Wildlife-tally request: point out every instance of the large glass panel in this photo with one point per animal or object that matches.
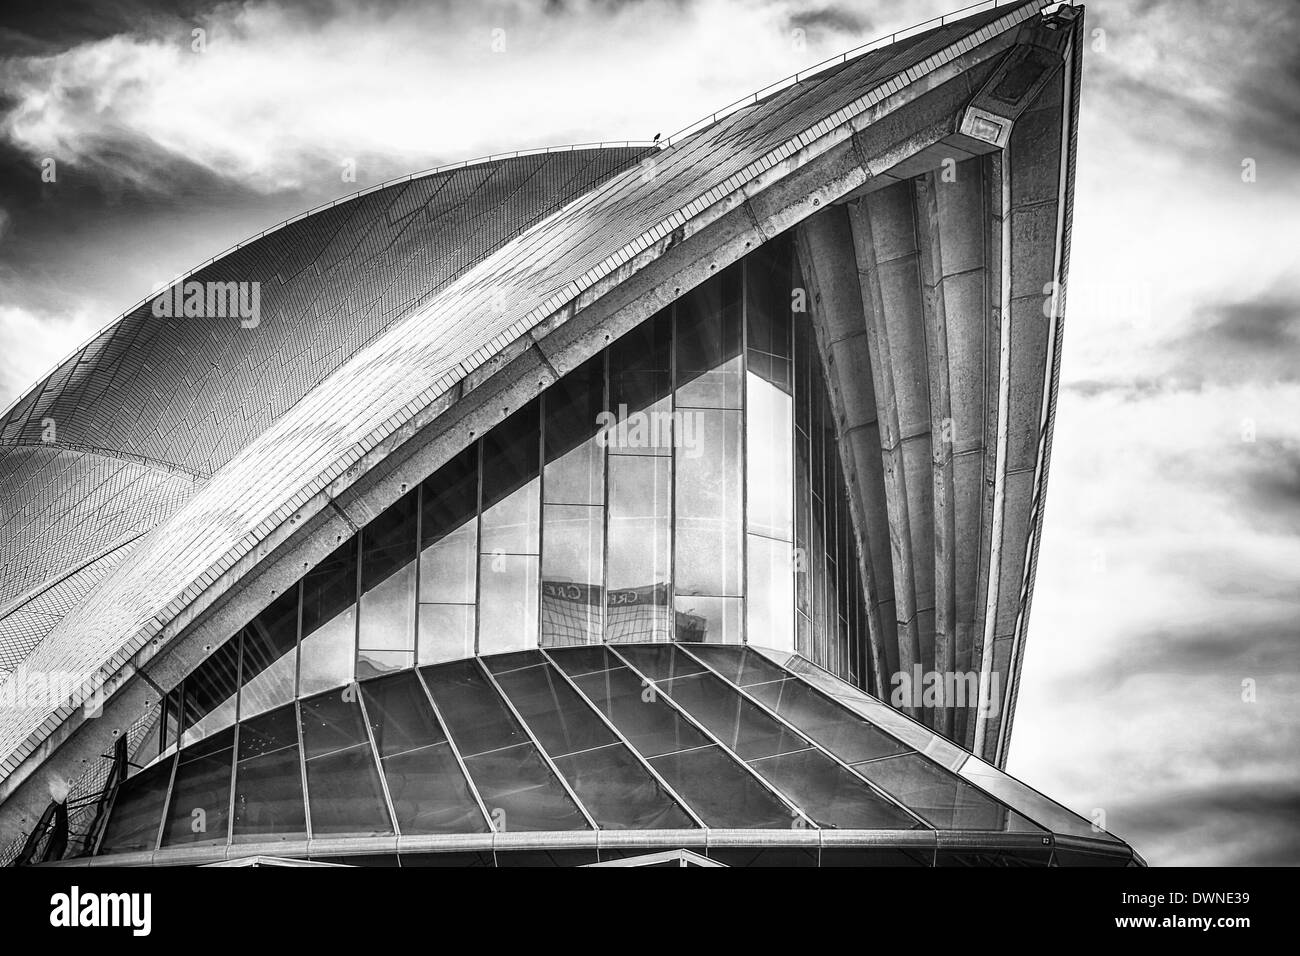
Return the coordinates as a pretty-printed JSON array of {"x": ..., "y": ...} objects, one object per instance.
[
  {"x": 517, "y": 787},
  {"x": 449, "y": 532},
  {"x": 635, "y": 707},
  {"x": 268, "y": 779},
  {"x": 210, "y": 693},
  {"x": 343, "y": 788},
  {"x": 722, "y": 792},
  {"x": 618, "y": 791},
  {"x": 939, "y": 797},
  {"x": 270, "y": 664},
  {"x": 611, "y": 783},
  {"x": 661, "y": 661},
  {"x": 716, "y": 619},
  {"x": 575, "y": 461},
  {"x": 709, "y": 503},
  {"x": 769, "y": 444},
  {"x": 329, "y": 622},
  {"x": 559, "y": 719},
  {"x": 508, "y": 599},
  {"x": 839, "y": 731},
  {"x": 572, "y": 574},
  {"x": 446, "y": 632},
  {"x": 639, "y": 532},
  {"x": 640, "y": 383},
  {"x": 137, "y": 811},
  {"x": 830, "y": 794},
  {"x": 427, "y": 787},
  {"x": 511, "y": 460},
  {"x": 770, "y": 609},
  {"x": 740, "y": 725},
  {"x": 387, "y": 617},
  {"x": 199, "y": 811},
  {"x": 708, "y": 343}
]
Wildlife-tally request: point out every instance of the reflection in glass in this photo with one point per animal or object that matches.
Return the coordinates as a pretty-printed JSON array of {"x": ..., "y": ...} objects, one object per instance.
[
  {"x": 199, "y": 811},
  {"x": 446, "y": 632},
  {"x": 572, "y": 572},
  {"x": 830, "y": 794},
  {"x": 740, "y": 725},
  {"x": 709, "y": 503},
  {"x": 770, "y": 620},
  {"x": 270, "y": 657},
  {"x": 511, "y": 460},
  {"x": 343, "y": 788},
  {"x": 387, "y": 617},
  {"x": 841, "y": 732},
  {"x": 210, "y": 693},
  {"x": 722, "y": 792},
  {"x": 137, "y": 811},
  {"x": 639, "y": 514},
  {"x": 508, "y": 603},
  {"x": 714, "y": 619},
  {"x": 575, "y": 465},
  {"x": 519, "y": 791},
  {"x": 708, "y": 343},
  {"x": 619, "y": 792},
  {"x": 425, "y": 783},
  {"x": 640, "y": 384},
  {"x": 939, "y": 797},
  {"x": 268, "y": 779}
]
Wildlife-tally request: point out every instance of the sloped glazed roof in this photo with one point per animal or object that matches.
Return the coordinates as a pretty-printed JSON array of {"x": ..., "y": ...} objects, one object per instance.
[{"x": 349, "y": 395}]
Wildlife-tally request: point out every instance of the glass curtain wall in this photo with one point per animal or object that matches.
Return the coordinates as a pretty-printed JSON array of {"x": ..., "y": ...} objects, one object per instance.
[{"x": 684, "y": 484}]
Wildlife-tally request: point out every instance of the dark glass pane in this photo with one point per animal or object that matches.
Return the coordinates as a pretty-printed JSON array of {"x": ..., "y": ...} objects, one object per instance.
[
  {"x": 640, "y": 364},
  {"x": 618, "y": 791},
  {"x": 737, "y": 723},
  {"x": 640, "y": 714},
  {"x": 559, "y": 719},
  {"x": 268, "y": 779},
  {"x": 425, "y": 782},
  {"x": 270, "y": 658},
  {"x": 709, "y": 342},
  {"x": 829, "y": 794},
  {"x": 660, "y": 661},
  {"x": 330, "y": 587},
  {"x": 511, "y": 462},
  {"x": 388, "y": 542},
  {"x": 137, "y": 811},
  {"x": 575, "y": 463},
  {"x": 477, "y": 719},
  {"x": 722, "y": 792},
  {"x": 500, "y": 663},
  {"x": 343, "y": 788},
  {"x": 400, "y": 716},
  {"x": 450, "y": 497},
  {"x": 572, "y": 574},
  {"x": 576, "y": 661},
  {"x": 388, "y": 552},
  {"x": 838, "y": 730},
  {"x": 521, "y": 793},
  {"x": 170, "y": 723},
  {"x": 213, "y": 684},
  {"x": 199, "y": 811},
  {"x": 709, "y": 503},
  {"x": 739, "y": 665},
  {"x": 939, "y": 797}
]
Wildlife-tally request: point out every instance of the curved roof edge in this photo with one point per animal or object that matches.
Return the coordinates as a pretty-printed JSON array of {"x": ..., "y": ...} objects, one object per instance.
[{"x": 355, "y": 458}]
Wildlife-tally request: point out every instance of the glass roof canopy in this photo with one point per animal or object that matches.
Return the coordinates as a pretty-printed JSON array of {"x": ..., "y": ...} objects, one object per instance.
[{"x": 556, "y": 748}]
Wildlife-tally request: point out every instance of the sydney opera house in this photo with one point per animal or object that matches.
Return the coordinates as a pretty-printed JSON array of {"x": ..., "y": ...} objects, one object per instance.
[{"x": 662, "y": 504}]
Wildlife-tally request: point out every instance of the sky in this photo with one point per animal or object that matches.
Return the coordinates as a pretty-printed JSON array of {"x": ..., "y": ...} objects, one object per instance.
[{"x": 1161, "y": 681}]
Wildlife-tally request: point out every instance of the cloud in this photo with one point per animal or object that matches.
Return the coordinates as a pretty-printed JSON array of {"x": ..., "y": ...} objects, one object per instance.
[
  {"x": 33, "y": 341},
  {"x": 396, "y": 86}
]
